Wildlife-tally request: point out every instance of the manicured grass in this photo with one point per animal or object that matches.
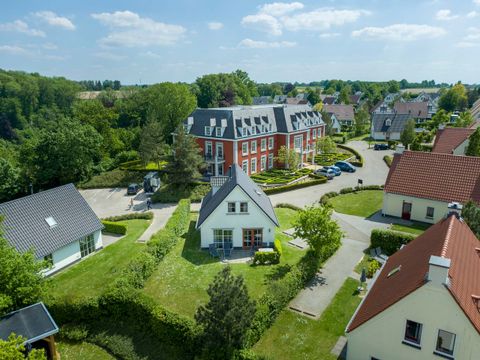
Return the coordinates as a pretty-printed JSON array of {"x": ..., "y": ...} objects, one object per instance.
[
  {"x": 181, "y": 279},
  {"x": 139, "y": 165},
  {"x": 294, "y": 336},
  {"x": 415, "y": 228},
  {"x": 285, "y": 217},
  {"x": 112, "y": 179},
  {"x": 169, "y": 193},
  {"x": 82, "y": 351},
  {"x": 279, "y": 176},
  {"x": 361, "y": 203},
  {"x": 93, "y": 274},
  {"x": 363, "y": 264},
  {"x": 330, "y": 159}
]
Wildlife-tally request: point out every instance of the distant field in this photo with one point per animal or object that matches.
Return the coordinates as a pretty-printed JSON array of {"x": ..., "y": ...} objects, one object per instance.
[{"x": 419, "y": 90}]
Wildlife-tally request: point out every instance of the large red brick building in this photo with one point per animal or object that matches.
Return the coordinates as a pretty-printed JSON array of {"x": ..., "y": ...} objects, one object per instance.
[{"x": 250, "y": 136}]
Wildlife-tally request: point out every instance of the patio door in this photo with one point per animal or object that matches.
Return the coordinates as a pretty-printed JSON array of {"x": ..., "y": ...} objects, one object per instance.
[
  {"x": 406, "y": 210},
  {"x": 252, "y": 238}
]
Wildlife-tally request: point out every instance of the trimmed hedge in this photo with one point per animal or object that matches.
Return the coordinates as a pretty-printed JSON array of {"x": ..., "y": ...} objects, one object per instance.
[
  {"x": 280, "y": 189},
  {"x": 277, "y": 246},
  {"x": 279, "y": 176},
  {"x": 330, "y": 159},
  {"x": 132, "y": 216},
  {"x": 114, "y": 227},
  {"x": 389, "y": 241},
  {"x": 388, "y": 160},
  {"x": 327, "y": 196},
  {"x": 288, "y": 206},
  {"x": 359, "y": 157},
  {"x": 262, "y": 258}
]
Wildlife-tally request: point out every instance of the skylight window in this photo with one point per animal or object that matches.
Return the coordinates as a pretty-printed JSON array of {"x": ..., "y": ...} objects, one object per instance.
[
  {"x": 51, "y": 222},
  {"x": 394, "y": 271}
]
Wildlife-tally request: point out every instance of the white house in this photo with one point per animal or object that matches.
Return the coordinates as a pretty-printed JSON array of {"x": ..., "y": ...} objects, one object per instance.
[
  {"x": 452, "y": 140},
  {"x": 236, "y": 213},
  {"x": 388, "y": 126},
  {"x": 57, "y": 224},
  {"x": 425, "y": 301},
  {"x": 420, "y": 185}
]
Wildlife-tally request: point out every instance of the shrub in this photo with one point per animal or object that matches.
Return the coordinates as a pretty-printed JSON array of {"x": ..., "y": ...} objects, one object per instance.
[
  {"x": 288, "y": 206},
  {"x": 74, "y": 332},
  {"x": 277, "y": 246},
  {"x": 325, "y": 197},
  {"x": 346, "y": 190},
  {"x": 392, "y": 144},
  {"x": 121, "y": 347},
  {"x": 114, "y": 227},
  {"x": 300, "y": 185},
  {"x": 126, "y": 155},
  {"x": 131, "y": 216},
  {"x": 373, "y": 266},
  {"x": 389, "y": 241},
  {"x": 113, "y": 179},
  {"x": 262, "y": 258},
  {"x": 388, "y": 160}
]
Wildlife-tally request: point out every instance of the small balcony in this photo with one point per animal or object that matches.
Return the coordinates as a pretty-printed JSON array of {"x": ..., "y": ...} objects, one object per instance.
[{"x": 210, "y": 158}]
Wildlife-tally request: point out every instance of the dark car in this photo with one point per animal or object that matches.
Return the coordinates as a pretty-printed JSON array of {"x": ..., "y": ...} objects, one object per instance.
[
  {"x": 133, "y": 189},
  {"x": 380, "y": 147},
  {"x": 345, "y": 166},
  {"x": 335, "y": 169}
]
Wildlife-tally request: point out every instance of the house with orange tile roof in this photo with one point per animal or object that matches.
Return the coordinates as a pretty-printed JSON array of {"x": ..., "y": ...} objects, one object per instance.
[
  {"x": 452, "y": 140},
  {"x": 425, "y": 301},
  {"x": 420, "y": 185}
]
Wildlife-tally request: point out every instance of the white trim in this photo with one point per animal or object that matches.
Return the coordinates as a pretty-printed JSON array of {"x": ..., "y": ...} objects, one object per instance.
[
  {"x": 245, "y": 146},
  {"x": 252, "y": 151},
  {"x": 245, "y": 162},
  {"x": 253, "y": 169}
]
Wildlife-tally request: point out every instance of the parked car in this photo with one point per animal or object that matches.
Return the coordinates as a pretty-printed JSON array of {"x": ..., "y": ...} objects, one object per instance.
[
  {"x": 345, "y": 166},
  {"x": 335, "y": 169},
  {"x": 328, "y": 173},
  {"x": 133, "y": 189},
  {"x": 380, "y": 147}
]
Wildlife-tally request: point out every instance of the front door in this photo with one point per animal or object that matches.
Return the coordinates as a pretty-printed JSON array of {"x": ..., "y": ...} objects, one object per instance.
[
  {"x": 406, "y": 210},
  {"x": 252, "y": 238}
]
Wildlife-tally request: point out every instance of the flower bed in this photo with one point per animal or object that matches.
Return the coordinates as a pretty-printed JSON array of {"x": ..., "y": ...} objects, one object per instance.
[
  {"x": 279, "y": 176},
  {"x": 330, "y": 159}
]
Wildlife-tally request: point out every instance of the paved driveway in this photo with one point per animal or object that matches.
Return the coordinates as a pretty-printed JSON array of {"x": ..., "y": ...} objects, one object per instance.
[{"x": 374, "y": 172}]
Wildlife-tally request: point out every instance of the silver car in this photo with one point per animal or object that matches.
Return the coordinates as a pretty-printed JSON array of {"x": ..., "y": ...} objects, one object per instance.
[{"x": 328, "y": 173}]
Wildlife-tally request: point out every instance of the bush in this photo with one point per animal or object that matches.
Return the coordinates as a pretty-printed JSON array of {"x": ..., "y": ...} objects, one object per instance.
[
  {"x": 288, "y": 206},
  {"x": 358, "y": 156},
  {"x": 388, "y": 160},
  {"x": 373, "y": 266},
  {"x": 72, "y": 332},
  {"x": 389, "y": 241},
  {"x": 113, "y": 179},
  {"x": 131, "y": 216},
  {"x": 126, "y": 155},
  {"x": 330, "y": 159},
  {"x": 262, "y": 258},
  {"x": 392, "y": 144},
  {"x": 346, "y": 190},
  {"x": 279, "y": 176},
  {"x": 299, "y": 185},
  {"x": 325, "y": 197},
  {"x": 121, "y": 347},
  {"x": 114, "y": 227},
  {"x": 277, "y": 246}
]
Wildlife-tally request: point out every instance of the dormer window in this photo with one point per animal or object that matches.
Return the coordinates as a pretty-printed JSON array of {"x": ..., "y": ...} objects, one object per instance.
[
  {"x": 244, "y": 132},
  {"x": 254, "y": 130},
  {"x": 388, "y": 122},
  {"x": 208, "y": 131},
  {"x": 218, "y": 132},
  {"x": 51, "y": 222}
]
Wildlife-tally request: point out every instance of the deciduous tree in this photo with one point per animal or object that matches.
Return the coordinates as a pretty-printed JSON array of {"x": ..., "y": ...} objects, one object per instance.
[
  {"x": 471, "y": 215},
  {"x": 325, "y": 145},
  {"x": 454, "y": 98},
  {"x": 13, "y": 349},
  {"x": 473, "y": 148},
  {"x": 408, "y": 134},
  {"x": 152, "y": 147},
  {"x": 288, "y": 157}
]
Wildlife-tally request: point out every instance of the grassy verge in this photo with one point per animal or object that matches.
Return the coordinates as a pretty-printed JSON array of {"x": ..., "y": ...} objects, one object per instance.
[
  {"x": 180, "y": 281},
  {"x": 294, "y": 336},
  {"x": 112, "y": 179},
  {"x": 360, "y": 203},
  {"x": 171, "y": 194},
  {"x": 415, "y": 228},
  {"x": 90, "y": 276},
  {"x": 363, "y": 264},
  {"x": 82, "y": 351}
]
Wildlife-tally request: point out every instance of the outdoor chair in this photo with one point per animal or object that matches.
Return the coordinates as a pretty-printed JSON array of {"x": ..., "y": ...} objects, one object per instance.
[
  {"x": 228, "y": 251},
  {"x": 213, "y": 250},
  {"x": 378, "y": 255}
]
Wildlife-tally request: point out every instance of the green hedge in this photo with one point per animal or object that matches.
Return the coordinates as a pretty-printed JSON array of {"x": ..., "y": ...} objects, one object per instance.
[
  {"x": 299, "y": 185},
  {"x": 114, "y": 227},
  {"x": 330, "y": 159},
  {"x": 288, "y": 206},
  {"x": 388, "y": 160},
  {"x": 327, "y": 196},
  {"x": 277, "y": 246},
  {"x": 279, "y": 176},
  {"x": 358, "y": 156},
  {"x": 389, "y": 241},
  {"x": 131, "y": 216},
  {"x": 262, "y": 258}
]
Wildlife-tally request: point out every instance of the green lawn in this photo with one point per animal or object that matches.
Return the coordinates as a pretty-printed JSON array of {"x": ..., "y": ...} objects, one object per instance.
[
  {"x": 294, "y": 336},
  {"x": 360, "y": 203},
  {"x": 92, "y": 275},
  {"x": 138, "y": 165},
  {"x": 82, "y": 351},
  {"x": 363, "y": 264},
  {"x": 415, "y": 228},
  {"x": 181, "y": 279}
]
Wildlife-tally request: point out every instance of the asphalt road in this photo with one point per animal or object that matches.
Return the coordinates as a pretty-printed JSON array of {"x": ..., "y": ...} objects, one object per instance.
[{"x": 374, "y": 172}]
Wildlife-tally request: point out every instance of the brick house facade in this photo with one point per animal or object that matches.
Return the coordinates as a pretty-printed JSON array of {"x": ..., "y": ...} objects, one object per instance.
[{"x": 251, "y": 136}]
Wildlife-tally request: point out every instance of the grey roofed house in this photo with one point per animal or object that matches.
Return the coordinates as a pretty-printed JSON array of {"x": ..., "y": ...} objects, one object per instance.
[
  {"x": 48, "y": 220},
  {"x": 280, "y": 99},
  {"x": 236, "y": 177},
  {"x": 398, "y": 122},
  {"x": 343, "y": 113},
  {"x": 261, "y": 100}
]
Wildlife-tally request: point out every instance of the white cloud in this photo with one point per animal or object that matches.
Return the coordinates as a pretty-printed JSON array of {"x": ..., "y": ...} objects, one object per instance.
[
  {"x": 328, "y": 35},
  {"x": 466, "y": 44},
  {"x": 400, "y": 32},
  {"x": 476, "y": 2},
  {"x": 50, "y": 46},
  {"x": 278, "y": 8},
  {"x": 263, "y": 22},
  {"x": 21, "y": 27},
  {"x": 109, "y": 56},
  {"x": 473, "y": 34},
  {"x": 54, "y": 20},
  {"x": 254, "y": 44},
  {"x": 131, "y": 30},
  {"x": 445, "y": 15},
  {"x": 472, "y": 14},
  {"x": 13, "y": 50},
  {"x": 214, "y": 25}
]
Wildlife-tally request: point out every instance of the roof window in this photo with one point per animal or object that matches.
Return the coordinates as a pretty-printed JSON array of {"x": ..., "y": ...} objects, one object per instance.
[
  {"x": 394, "y": 271},
  {"x": 51, "y": 222}
]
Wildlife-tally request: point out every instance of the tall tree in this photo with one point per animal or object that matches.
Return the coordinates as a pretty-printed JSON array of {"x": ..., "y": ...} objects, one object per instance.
[
  {"x": 14, "y": 349},
  {"x": 288, "y": 157},
  {"x": 362, "y": 121},
  {"x": 315, "y": 225},
  {"x": 441, "y": 117},
  {"x": 471, "y": 215},
  {"x": 325, "y": 145},
  {"x": 454, "y": 98},
  {"x": 473, "y": 148},
  {"x": 152, "y": 146},
  {"x": 10, "y": 180},
  {"x": 187, "y": 161},
  {"x": 408, "y": 134},
  {"x": 464, "y": 120},
  {"x": 228, "y": 315}
]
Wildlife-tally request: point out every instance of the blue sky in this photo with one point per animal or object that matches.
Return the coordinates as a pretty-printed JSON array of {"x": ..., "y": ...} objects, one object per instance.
[{"x": 151, "y": 41}]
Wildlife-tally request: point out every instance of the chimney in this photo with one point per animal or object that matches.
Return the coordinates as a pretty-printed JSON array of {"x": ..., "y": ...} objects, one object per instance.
[
  {"x": 438, "y": 270},
  {"x": 455, "y": 208},
  {"x": 216, "y": 182},
  {"x": 400, "y": 149}
]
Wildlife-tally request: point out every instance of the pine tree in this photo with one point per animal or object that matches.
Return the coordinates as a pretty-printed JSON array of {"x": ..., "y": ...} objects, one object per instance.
[
  {"x": 227, "y": 316},
  {"x": 152, "y": 147}
]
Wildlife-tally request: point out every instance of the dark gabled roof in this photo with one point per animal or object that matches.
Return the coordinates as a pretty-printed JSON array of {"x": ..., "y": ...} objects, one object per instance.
[
  {"x": 417, "y": 110},
  {"x": 448, "y": 139},
  {"x": 261, "y": 100},
  {"x": 341, "y": 111},
  {"x": 32, "y": 322},
  {"x": 398, "y": 122},
  {"x": 25, "y": 226},
  {"x": 236, "y": 177},
  {"x": 450, "y": 238}
]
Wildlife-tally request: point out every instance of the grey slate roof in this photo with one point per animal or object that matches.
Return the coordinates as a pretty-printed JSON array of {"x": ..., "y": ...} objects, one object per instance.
[
  {"x": 236, "y": 177},
  {"x": 261, "y": 100},
  {"x": 398, "y": 122},
  {"x": 32, "y": 322},
  {"x": 25, "y": 227}
]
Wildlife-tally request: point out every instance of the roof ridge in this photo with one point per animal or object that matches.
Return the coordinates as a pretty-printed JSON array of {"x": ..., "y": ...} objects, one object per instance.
[{"x": 447, "y": 236}]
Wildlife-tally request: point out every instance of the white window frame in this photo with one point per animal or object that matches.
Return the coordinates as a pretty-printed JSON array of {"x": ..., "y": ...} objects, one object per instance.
[
  {"x": 263, "y": 162},
  {"x": 244, "y": 132},
  {"x": 433, "y": 212},
  {"x": 263, "y": 144},
  {"x": 270, "y": 161},
  {"x": 243, "y": 203},
  {"x": 218, "y": 146},
  {"x": 253, "y": 165},
  {"x": 245, "y": 148},
  {"x": 271, "y": 142},
  {"x": 218, "y": 131},
  {"x": 253, "y": 147},
  {"x": 208, "y": 131},
  {"x": 297, "y": 137},
  {"x": 439, "y": 350},
  {"x": 254, "y": 130},
  {"x": 207, "y": 145},
  {"x": 314, "y": 133},
  {"x": 234, "y": 207},
  {"x": 245, "y": 166}
]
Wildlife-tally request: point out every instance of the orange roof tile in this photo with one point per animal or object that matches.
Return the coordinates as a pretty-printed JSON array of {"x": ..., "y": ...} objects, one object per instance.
[
  {"x": 436, "y": 176},
  {"x": 449, "y": 139},
  {"x": 450, "y": 238}
]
